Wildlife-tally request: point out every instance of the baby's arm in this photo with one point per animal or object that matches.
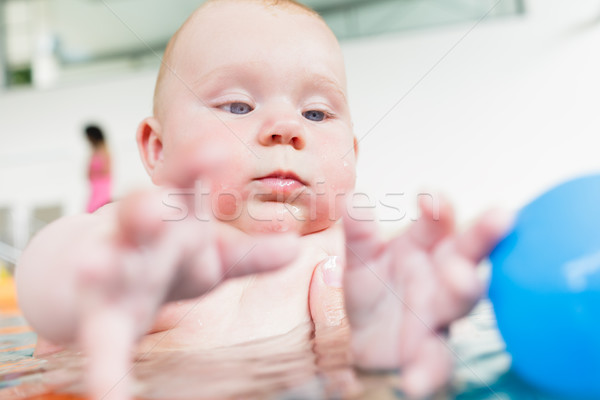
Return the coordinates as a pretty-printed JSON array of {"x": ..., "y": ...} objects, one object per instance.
[{"x": 97, "y": 280}]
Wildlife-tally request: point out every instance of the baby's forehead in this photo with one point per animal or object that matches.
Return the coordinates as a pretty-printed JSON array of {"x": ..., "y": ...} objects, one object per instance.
[{"x": 224, "y": 30}]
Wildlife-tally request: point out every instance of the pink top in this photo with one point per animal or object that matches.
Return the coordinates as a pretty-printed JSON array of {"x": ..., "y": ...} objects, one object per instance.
[{"x": 100, "y": 181}]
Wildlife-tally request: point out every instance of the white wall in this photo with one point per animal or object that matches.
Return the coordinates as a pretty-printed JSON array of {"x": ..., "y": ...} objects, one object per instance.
[
  {"x": 489, "y": 114},
  {"x": 43, "y": 153}
]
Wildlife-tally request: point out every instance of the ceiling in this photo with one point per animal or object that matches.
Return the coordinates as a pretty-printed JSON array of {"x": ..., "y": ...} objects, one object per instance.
[{"x": 75, "y": 32}]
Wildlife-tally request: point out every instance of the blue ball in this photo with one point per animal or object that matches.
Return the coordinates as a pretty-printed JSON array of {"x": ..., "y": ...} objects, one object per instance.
[{"x": 545, "y": 288}]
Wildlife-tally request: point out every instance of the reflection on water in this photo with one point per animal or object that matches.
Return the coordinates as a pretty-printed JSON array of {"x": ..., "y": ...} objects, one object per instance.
[
  {"x": 255, "y": 370},
  {"x": 298, "y": 365},
  {"x": 292, "y": 366}
]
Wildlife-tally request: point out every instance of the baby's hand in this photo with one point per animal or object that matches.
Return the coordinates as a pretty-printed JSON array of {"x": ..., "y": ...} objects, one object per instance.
[
  {"x": 98, "y": 280},
  {"x": 401, "y": 294},
  {"x": 152, "y": 261}
]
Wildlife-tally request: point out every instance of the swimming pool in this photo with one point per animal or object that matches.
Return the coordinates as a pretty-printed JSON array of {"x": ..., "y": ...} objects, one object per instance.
[{"x": 280, "y": 368}]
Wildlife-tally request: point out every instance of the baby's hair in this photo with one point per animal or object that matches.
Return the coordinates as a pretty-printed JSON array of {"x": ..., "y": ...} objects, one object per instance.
[
  {"x": 94, "y": 135},
  {"x": 166, "y": 67}
]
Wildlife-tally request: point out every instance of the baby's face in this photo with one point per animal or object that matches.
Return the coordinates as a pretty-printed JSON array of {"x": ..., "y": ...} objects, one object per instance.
[{"x": 268, "y": 85}]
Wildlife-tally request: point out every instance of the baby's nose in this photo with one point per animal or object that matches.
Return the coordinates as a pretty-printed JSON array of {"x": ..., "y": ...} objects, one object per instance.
[{"x": 286, "y": 131}]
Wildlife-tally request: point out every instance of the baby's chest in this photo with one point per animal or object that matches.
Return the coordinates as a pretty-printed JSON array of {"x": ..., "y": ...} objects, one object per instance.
[{"x": 253, "y": 306}]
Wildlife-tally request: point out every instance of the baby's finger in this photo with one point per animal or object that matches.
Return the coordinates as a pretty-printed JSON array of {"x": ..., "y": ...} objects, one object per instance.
[
  {"x": 418, "y": 310},
  {"x": 461, "y": 287},
  {"x": 435, "y": 223},
  {"x": 456, "y": 259},
  {"x": 209, "y": 162},
  {"x": 209, "y": 260},
  {"x": 107, "y": 337},
  {"x": 141, "y": 217},
  {"x": 363, "y": 241},
  {"x": 429, "y": 371},
  {"x": 365, "y": 290},
  {"x": 367, "y": 267},
  {"x": 477, "y": 242}
]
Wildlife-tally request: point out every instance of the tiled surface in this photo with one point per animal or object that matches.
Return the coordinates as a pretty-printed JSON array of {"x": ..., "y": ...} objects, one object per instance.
[{"x": 17, "y": 341}]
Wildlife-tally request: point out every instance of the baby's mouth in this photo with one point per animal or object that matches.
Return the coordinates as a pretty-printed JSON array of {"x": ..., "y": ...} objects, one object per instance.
[{"x": 280, "y": 186}]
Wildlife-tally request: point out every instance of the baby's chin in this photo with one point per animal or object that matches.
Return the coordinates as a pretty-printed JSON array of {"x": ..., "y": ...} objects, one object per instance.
[{"x": 278, "y": 217}]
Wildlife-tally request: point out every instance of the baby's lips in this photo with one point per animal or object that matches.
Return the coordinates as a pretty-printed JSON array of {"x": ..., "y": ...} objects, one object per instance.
[{"x": 283, "y": 175}]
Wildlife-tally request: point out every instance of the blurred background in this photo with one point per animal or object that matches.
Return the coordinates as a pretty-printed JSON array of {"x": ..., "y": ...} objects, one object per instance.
[{"x": 486, "y": 101}]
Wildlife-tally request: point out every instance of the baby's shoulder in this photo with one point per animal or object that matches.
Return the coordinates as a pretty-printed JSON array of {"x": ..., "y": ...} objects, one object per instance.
[{"x": 107, "y": 211}]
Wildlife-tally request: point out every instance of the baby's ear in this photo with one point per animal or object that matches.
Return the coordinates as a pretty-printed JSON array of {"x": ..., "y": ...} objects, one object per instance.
[{"x": 150, "y": 146}]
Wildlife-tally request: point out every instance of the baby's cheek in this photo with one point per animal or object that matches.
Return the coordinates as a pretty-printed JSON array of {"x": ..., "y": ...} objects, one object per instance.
[{"x": 340, "y": 176}]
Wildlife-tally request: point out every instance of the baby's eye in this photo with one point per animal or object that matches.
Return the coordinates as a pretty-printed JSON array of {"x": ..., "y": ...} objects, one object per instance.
[
  {"x": 238, "y": 108},
  {"x": 314, "y": 115}
]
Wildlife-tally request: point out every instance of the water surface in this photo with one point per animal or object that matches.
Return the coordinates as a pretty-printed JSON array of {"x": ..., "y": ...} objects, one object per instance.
[{"x": 297, "y": 365}]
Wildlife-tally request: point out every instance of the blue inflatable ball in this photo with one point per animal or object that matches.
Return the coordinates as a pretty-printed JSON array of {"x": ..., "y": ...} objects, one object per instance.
[{"x": 545, "y": 289}]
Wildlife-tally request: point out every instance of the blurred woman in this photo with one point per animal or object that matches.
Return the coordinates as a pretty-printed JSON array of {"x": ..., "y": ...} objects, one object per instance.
[{"x": 99, "y": 171}]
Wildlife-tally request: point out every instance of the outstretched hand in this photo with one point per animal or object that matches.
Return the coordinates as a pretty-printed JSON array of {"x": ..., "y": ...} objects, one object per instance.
[
  {"x": 148, "y": 261},
  {"x": 402, "y": 293}
]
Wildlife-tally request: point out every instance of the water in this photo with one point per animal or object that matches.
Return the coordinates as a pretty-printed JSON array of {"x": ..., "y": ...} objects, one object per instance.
[{"x": 293, "y": 366}]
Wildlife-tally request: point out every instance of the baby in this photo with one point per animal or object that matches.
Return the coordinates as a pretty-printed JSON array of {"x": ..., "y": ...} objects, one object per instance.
[{"x": 251, "y": 112}]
